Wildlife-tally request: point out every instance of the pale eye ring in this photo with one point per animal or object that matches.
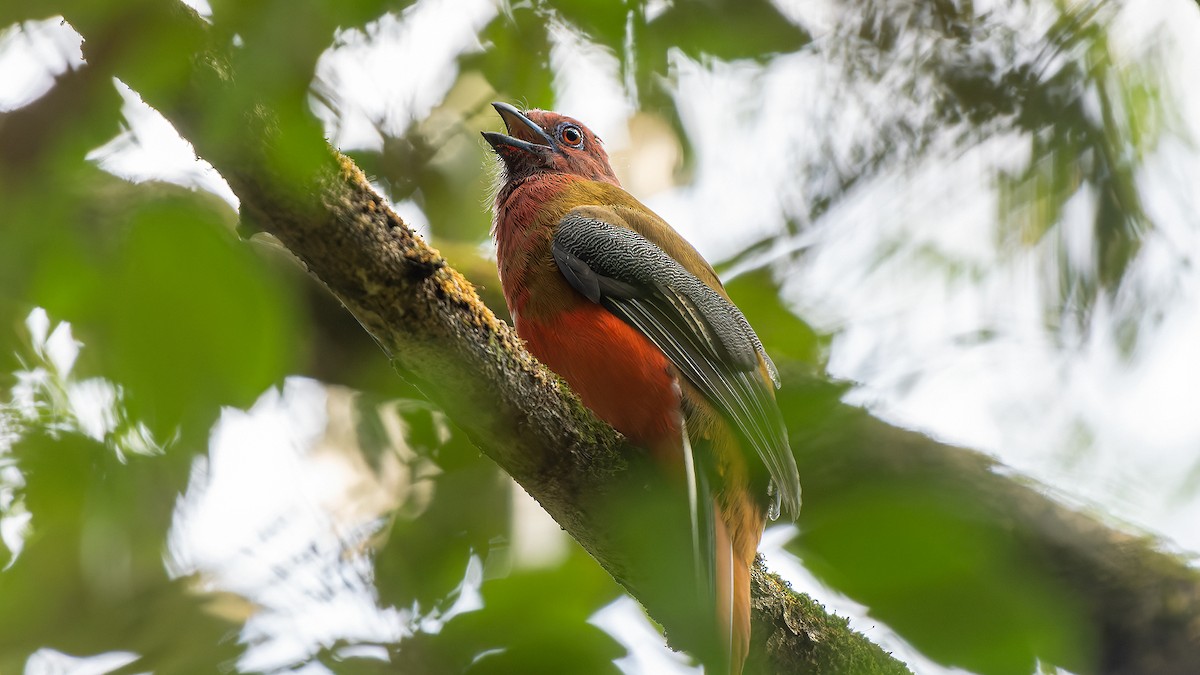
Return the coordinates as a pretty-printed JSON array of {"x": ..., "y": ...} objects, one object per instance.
[{"x": 571, "y": 135}]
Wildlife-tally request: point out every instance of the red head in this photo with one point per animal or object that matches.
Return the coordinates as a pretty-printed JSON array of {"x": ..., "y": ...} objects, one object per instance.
[{"x": 541, "y": 142}]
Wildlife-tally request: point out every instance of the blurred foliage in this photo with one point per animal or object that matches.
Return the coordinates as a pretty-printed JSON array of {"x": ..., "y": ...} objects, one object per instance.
[
  {"x": 961, "y": 589},
  {"x": 87, "y": 574},
  {"x": 504, "y": 639},
  {"x": 90, "y": 578},
  {"x": 181, "y": 319},
  {"x": 1074, "y": 148},
  {"x": 927, "y": 554},
  {"x": 449, "y": 528},
  {"x": 952, "y": 68},
  {"x": 213, "y": 326}
]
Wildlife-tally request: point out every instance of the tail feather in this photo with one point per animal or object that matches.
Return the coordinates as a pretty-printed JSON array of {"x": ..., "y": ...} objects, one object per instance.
[
  {"x": 726, "y": 527},
  {"x": 726, "y": 602},
  {"x": 738, "y": 531},
  {"x": 703, "y": 522}
]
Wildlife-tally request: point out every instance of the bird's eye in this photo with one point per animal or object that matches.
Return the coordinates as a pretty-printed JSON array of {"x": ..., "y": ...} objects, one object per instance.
[{"x": 571, "y": 135}]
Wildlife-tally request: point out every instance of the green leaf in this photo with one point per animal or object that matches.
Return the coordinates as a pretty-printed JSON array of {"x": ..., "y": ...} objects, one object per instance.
[
  {"x": 603, "y": 22},
  {"x": 579, "y": 648},
  {"x": 725, "y": 29},
  {"x": 536, "y": 621},
  {"x": 516, "y": 58},
  {"x": 193, "y": 319},
  {"x": 426, "y": 554}
]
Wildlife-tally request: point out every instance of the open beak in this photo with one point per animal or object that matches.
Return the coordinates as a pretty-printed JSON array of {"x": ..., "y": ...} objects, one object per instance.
[{"x": 523, "y": 133}]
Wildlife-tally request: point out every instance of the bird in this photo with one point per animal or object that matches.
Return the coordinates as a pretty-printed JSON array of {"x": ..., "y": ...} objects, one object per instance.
[{"x": 616, "y": 302}]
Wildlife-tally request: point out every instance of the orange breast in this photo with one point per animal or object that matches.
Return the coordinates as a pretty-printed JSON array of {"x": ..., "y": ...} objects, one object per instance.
[{"x": 618, "y": 373}]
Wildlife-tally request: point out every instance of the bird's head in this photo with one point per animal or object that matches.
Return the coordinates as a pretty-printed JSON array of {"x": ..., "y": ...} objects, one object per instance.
[{"x": 541, "y": 141}]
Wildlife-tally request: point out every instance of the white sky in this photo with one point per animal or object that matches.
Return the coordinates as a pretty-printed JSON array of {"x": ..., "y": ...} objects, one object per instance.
[{"x": 898, "y": 325}]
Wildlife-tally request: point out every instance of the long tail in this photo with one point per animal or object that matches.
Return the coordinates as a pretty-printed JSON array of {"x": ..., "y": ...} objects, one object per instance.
[
  {"x": 707, "y": 547},
  {"x": 727, "y": 525},
  {"x": 726, "y": 529},
  {"x": 699, "y": 494},
  {"x": 737, "y": 534}
]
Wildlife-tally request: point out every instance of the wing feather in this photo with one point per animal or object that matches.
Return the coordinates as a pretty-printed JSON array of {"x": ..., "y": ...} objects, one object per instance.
[{"x": 703, "y": 334}]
